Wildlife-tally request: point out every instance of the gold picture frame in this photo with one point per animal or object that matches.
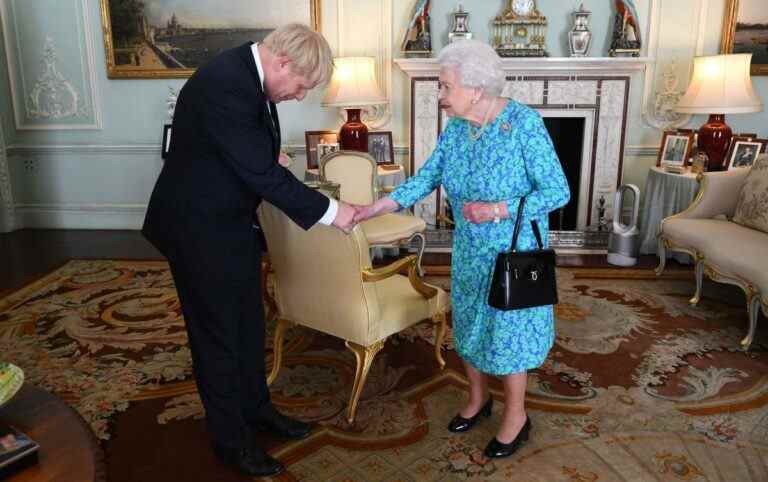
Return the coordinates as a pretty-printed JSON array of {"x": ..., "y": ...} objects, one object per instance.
[
  {"x": 757, "y": 35},
  {"x": 140, "y": 50}
]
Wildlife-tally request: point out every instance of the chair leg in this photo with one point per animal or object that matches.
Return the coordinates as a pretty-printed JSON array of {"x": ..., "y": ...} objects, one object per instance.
[
  {"x": 699, "y": 281},
  {"x": 364, "y": 356},
  {"x": 441, "y": 325},
  {"x": 753, "y": 309},
  {"x": 277, "y": 357},
  {"x": 661, "y": 251},
  {"x": 270, "y": 305}
]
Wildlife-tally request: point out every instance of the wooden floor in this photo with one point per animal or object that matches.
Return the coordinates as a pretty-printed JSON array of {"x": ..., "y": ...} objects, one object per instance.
[{"x": 29, "y": 254}]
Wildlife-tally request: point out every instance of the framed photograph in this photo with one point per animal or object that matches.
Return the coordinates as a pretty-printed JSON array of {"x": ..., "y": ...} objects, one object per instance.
[
  {"x": 744, "y": 154},
  {"x": 166, "y": 147},
  {"x": 737, "y": 138},
  {"x": 169, "y": 39},
  {"x": 380, "y": 147},
  {"x": 323, "y": 149},
  {"x": 675, "y": 149},
  {"x": 312, "y": 139},
  {"x": 745, "y": 30}
]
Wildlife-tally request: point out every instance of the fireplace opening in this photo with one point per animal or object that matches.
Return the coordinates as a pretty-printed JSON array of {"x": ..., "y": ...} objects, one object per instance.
[{"x": 567, "y": 135}]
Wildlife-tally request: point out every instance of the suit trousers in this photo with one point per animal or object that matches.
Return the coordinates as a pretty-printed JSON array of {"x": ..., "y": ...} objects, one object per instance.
[{"x": 225, "y": 326}]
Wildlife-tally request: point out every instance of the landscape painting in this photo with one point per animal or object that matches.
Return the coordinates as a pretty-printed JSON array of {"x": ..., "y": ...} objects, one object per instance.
[
  {"x": 171, "y": 38},
  {"x": 746, "y": 31}
]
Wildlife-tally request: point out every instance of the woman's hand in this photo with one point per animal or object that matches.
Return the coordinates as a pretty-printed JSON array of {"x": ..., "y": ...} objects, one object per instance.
[
  {"x": 480, "y": 212},
  {"x": 382, "y": 206}
]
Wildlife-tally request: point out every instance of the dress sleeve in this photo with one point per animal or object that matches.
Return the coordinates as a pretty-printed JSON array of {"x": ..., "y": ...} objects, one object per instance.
[
  {"x": 427, "y": 179},
  {"x": 549, "y": 186}
]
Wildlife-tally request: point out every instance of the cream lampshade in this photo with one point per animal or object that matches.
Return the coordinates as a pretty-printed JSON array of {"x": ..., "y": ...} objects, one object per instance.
[
  {"x": 720, "y": 85},
  {"x": 353, "y": 86}
]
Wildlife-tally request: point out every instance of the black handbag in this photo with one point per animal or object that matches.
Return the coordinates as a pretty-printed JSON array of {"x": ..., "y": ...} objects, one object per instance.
[{"x": 523, "y": 279}]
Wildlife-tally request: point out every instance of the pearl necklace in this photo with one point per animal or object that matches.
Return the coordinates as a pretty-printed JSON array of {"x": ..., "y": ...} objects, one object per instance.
[{"x": 474, "y": 137}]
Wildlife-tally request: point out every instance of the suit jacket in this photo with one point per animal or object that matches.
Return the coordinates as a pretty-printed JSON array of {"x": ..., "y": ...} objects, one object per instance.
[{"x": 221, "y": 163}]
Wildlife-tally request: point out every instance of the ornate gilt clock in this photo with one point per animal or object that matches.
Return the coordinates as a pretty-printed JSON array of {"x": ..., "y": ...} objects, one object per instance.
[{"x": 520, "y": 30}]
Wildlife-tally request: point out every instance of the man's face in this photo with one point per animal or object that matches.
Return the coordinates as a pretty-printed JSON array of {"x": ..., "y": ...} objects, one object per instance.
[{"x": 285, "y": 84}]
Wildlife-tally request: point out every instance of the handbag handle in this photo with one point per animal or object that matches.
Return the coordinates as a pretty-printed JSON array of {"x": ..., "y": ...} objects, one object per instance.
[{"x": 518, "y": 224}]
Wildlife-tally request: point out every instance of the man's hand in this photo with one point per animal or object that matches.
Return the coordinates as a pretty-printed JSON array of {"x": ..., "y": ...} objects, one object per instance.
[
  {"x": 284, "y": 160},
  {"x": 479, "y": 212},
  {"x": 345, "y": 217}
]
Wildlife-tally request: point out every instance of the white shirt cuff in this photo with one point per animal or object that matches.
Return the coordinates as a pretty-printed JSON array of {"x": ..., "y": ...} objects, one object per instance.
[{"x": 330, "y": 214}]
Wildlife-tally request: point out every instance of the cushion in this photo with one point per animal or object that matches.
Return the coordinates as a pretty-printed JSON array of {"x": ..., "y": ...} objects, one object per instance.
[{"x": 752, "y": 206}]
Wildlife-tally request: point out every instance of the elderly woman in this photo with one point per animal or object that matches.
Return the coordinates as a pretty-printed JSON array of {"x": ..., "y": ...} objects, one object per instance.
[{"x": 493, "y": 152}]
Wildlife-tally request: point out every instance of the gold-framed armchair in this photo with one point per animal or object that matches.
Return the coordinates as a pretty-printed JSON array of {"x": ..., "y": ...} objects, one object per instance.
[
  {"x": 357, "y": 175},
  {"x": 323, "y": 279}
]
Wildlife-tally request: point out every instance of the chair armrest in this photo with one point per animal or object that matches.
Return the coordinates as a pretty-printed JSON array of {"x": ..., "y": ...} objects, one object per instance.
[
  {"x": 410, "y": 262},
  {"x": 718, "y": 194}
]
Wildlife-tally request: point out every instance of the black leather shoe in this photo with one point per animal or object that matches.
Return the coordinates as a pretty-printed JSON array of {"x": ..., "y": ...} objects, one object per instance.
[
  {"x": 282, "y": 425},
  {"x": 496, "y": 449},
  {"x": 461, "y": 424},
  {"x": 249, "y": 460}
]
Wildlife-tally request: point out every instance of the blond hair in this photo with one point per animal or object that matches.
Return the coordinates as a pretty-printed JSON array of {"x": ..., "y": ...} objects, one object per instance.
[{"x": 308, "y": 51}]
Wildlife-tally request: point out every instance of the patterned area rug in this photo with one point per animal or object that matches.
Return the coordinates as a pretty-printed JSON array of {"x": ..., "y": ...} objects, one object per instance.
[{"x": 639, "y": 386}]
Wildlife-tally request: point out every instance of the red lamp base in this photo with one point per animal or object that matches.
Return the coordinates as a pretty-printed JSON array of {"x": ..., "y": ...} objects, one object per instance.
[
  {"x": 353, "y": 135},
  {"x": 714, "y": 139}
]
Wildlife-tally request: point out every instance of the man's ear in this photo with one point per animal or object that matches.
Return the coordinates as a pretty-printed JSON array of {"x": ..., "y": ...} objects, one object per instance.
[{"x": 283, "y": 61}]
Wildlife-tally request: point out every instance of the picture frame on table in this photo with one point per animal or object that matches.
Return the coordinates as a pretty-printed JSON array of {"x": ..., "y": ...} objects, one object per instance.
[
  {"x": 745, "y": 30},
  {"x": 380, "y": 147},
  {"x": 744, "y": 154},
  {"x": 155, "y": 39},
  {"x": 166, "y": 146},
  {"x": 675, "y": 150},
  {"x": 737, "y": 138},
  {"x": 325, "y": 148},
  {"x": 312, "y": 139}
]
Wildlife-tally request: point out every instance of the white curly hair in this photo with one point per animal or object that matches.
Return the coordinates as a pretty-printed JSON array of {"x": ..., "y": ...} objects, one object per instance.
[{"x": 478, "y": 65}]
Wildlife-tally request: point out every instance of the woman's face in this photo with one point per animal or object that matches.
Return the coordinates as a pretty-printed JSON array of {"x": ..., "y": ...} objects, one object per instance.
[{"x": 455, "y": 99}]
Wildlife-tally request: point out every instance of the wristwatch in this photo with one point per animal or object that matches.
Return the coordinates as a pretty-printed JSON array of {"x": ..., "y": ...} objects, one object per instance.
[{"x": 496, "y": 213}]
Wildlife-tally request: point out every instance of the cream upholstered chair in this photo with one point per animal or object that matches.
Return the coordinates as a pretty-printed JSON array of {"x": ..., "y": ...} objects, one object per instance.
[
  {"x": 357, "y": 174},
  {"x": 723, "y": 249},
  {"x": 324, "y": 280}
]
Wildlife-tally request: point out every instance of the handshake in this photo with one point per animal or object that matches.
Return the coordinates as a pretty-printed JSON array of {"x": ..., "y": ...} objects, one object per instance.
[{"x": 348, "y": 215}]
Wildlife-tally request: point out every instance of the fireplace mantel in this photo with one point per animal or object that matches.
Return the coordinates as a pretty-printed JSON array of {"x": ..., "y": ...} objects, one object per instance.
[
  {"x": 594, "y": 88},
  {"x": 549, "y": 65}
]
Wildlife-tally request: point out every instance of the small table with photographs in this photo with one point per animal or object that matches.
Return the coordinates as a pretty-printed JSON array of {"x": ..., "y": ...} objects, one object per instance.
[
  {"x": 664, "y": 194},
  {"x": 68, "y": 449}
]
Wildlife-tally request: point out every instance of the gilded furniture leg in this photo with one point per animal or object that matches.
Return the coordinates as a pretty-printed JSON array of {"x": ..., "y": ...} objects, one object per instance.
[
  {"x": 277, "y": 356},
  {"x": 661, "y": 251},
  {"x": 364, "y": 356},
  {"x": 270, "y": 308},
  {"x": 440, "y": 323},
  {"x": 699, "y": 281},
  {"x": 753, "y": 309},
  {"x": 420, "y": 252}
]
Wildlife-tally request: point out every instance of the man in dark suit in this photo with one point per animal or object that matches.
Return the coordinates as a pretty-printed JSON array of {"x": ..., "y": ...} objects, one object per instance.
[{"x": 223, "y": 161}]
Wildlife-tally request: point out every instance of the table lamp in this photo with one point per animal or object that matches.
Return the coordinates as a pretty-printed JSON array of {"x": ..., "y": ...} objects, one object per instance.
[
  {"x": 353, "y": 86},
  {"x": 720, "y": 85}
]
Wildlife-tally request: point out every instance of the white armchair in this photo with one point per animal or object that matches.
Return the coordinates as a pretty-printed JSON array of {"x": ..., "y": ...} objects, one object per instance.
[{"x": 324, "y": 280}]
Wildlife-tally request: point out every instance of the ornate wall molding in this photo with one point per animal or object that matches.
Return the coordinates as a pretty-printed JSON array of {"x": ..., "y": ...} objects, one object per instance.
[
  {"x": 7, "y": 211},
  {"x": 52, "y": 101},
  {"x": 667, "y": 79}
]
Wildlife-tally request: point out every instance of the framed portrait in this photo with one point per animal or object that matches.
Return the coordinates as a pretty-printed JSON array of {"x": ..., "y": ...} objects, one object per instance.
[
  {"x": 745, "y": 30},
  {"x": 737, "y": 138},
  {"x": 166, "y": 147},
  {"x": 325, "y": 148},
  {"x": 744, "y": 154},
  {"x": 380, "y": 147},
  {"x": 675, "y": 149},
  {"x": 148, "y": 39},
  {"x": 312, "y": 139}
]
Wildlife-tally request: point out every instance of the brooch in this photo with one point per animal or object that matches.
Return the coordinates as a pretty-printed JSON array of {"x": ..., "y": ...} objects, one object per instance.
[{"x": 506, "y": 127}]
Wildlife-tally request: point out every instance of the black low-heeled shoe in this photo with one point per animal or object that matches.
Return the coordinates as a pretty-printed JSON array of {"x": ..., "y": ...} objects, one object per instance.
[
  {"x": 461, "y": 424},
  {"x": 496, "y": 449}
]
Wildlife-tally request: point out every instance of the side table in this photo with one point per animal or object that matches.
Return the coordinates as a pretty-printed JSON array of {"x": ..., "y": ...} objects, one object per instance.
[
  {"x": 664, "y": 194},
  {"x": 68, "y": 449}
]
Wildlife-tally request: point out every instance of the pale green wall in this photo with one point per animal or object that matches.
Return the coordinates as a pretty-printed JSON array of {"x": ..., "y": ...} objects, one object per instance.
[{"x": 107, "y": 173}]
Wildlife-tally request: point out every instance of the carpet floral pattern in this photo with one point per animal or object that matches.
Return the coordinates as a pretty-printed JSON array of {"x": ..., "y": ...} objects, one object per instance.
[{"x": 639, "y": 385}]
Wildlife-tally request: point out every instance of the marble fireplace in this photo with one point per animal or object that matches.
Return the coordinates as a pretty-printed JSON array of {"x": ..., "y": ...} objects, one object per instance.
[{"x": 594, "y": 90}]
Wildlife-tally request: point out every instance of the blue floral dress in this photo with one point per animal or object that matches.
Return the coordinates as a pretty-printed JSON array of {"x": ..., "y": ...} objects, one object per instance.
[{"x": 513, "y": 157}]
